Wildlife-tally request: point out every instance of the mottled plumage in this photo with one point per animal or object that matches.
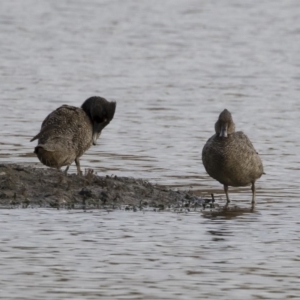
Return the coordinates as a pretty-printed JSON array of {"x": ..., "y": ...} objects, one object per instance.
[
  {"x": 230, "y": 158},
  {"x": 69, "y": 131}
]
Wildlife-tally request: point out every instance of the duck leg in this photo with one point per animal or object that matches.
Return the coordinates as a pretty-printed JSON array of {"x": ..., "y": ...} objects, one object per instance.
[
  {"x": 253, "y": 193},
  {"x": 78, "y": 166},
  {"x": 66, "y": 170},
  {"x": 226, "y": 193}
]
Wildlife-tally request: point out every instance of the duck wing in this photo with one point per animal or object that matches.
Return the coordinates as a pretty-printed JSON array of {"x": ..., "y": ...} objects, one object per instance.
[{"x": 59, "y": 122}]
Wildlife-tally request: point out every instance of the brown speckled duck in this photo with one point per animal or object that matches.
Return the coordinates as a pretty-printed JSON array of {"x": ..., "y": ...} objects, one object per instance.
[
  {"x": 69, "y": 131},
  {"x": 230, "y": 158}
]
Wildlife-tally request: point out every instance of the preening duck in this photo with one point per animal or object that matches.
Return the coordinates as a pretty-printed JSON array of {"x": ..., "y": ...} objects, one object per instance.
[{"x": 69, "y": 131}]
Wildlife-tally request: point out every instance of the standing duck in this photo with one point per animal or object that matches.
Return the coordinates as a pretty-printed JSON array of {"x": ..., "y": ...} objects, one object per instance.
[
  {"x": 69, "y": 131},
  {"x": 230, "y": 158}
]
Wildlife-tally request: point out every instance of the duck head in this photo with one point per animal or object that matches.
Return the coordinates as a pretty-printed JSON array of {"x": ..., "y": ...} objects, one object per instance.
[
  {"x": 100, "y": 112},
  {"x": 225, "y": 125}
]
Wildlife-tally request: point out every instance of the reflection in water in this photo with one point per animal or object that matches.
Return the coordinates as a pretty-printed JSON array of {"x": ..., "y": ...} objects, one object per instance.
[
  {"x": 171, "y": 66},
  {"x": 227, "y": 213}
]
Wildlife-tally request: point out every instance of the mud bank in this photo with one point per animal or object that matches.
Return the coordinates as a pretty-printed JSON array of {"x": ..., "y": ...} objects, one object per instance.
[{"x": 25, "y": 186}]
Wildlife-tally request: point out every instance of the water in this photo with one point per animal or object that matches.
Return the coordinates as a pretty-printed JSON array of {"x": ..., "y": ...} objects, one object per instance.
[
  {"x": 172, "y": 66},
  {"x": 126, "y": 255}
]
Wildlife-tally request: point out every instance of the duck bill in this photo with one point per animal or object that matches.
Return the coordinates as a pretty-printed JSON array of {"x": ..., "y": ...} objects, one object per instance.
[
  {"x": 96, "y": 133},
  {"x": 95, "y": 138},
  {"x": 223, "y": 132}
]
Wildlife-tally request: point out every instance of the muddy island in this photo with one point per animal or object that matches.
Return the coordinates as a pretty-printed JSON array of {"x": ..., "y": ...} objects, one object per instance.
[{"x": 25, "y": 186}]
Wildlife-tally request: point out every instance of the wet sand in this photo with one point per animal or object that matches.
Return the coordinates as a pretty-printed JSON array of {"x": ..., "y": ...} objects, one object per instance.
[{"x": 25, "y": 186}]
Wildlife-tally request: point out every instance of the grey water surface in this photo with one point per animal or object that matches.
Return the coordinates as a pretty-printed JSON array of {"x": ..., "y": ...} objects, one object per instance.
[{"x": 172, "y": 66}]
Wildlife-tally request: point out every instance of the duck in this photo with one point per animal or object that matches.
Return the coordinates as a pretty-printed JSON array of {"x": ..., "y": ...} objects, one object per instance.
[
  {"x": 230, "y": 158},
  {"x": 69, "y": 131}
]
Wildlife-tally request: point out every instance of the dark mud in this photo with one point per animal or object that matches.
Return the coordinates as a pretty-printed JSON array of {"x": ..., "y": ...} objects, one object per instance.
[{"x": 25, "y": 186}]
